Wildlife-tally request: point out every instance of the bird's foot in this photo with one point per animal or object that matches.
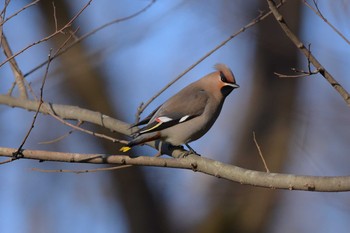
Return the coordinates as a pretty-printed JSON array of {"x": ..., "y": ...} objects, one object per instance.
[
  {"x": 125, "y": 149},
  {"x": 184, "y": 153},
  {"x": 192, "y": 150},
  {"x": 172, "y": 147}
]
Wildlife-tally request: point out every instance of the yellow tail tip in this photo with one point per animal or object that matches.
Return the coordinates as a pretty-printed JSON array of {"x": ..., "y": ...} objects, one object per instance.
[{"x": 125, "y": 149}]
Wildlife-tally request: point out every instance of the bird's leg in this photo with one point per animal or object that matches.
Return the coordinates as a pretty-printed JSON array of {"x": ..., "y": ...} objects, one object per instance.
[
  {"x": 185, "y": 152},
  {"x": 172, "y": 147},
  {"x": 191, "y": 150},
  {"x": 180, "y": 147}
]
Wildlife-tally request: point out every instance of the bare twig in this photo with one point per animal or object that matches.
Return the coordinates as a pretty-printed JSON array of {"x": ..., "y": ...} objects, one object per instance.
[
  {"x": 302, "y": 73},
  {"x": 64, "y": 44},
  {"x": 19, "y": 11},
  {"x": 61, "y": 30},
  {"x": 76, "y": 127},
  {"x": 19, "y": 78},
  {"x": 317, "y": 11},
  {"x": 114, "y": 140},
  {"x": 50, "y": 111},
  {"x": 334, "y": 83},
  {"x": 78, "y": 40},
  {"x": 3, "y": 11},
  {"x": 261, "y": 17},
  {"x": 54, "y": 16},
  {"x": 2, "y": 16},
  {"x": 10, "y": 91},
  {"x": 18, "y": 153},
  {"x": 260, "y": 153},
  {"x": 6, "y": 161},
  {"x": 63, "y": 136}
]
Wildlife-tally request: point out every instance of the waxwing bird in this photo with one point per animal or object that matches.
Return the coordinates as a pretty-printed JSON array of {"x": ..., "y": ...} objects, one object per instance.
[{"x": 189, "y": 114}]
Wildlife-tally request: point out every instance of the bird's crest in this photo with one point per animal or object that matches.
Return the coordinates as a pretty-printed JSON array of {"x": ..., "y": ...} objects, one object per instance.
[{"x": 226, "y": 71}]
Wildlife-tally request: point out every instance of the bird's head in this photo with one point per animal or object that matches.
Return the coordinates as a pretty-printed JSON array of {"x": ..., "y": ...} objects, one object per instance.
[{"x": 223, "y": 80}]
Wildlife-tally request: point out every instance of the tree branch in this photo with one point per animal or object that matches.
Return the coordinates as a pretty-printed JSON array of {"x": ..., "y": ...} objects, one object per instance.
[
  {"x": 19, "y": 78},
  {"x": 200, "y": 164},
  {"x": 61, "y": 30},
  {"x": 318, "y": 12},
  {"x": 297, "y": 42},
  {"x": 192, "y": 162},
  {"x": 83, "y": 37},
  {"x": 19, "y": 11}
]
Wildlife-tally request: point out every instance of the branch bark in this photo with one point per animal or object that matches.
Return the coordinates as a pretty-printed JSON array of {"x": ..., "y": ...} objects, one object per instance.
[
  {"x": 299, "y": 44},
  {"x": 192, "y": 162},
  {"x": 199, "y": 164}
]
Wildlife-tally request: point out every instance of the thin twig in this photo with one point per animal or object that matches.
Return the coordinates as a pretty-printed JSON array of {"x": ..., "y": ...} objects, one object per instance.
[
  {"x": 50, "y": 112},
  {"x": 63, "y": 136},
  {"x": 54, "y": 16},
  {"x": 302, "y": 73},
  {"x": 69, "y": 24},
  {"x": 317, "y": 11},
  {"x": 3, "y": 11},
  {"x": 50, "y": 59},
  {"x": 6, "y": 161},
  {"x": 251, "y": 24},
  {"x": 114, "y": 140},
  {"x": 78, "y": 40},
  {"x": 308, "y": 58},
  {"x": 2, "y": 16},
  {"x": 10, "y": 91},
  {"x": 18, "y": 153},
  {"x": 19, "y": 78},
  {"x": 19, "y": 11},
  {"x": 64, "y": 44},
  {"x": 297, "y": 42},
  {"x": 260, "y": 153}
]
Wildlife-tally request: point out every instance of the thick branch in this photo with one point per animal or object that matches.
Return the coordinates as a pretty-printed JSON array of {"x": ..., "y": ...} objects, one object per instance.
[
  {"x": 200, "y": 164},
  {"x": 68, "y": 112},
  {"x": 75, "y": 113},
  {"x": 297, "y": 42},
  {"x": 193, "y": 162}
]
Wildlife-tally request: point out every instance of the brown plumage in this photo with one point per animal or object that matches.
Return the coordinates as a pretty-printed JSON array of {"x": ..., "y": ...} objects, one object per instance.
[{"x": 190, "y": 113}]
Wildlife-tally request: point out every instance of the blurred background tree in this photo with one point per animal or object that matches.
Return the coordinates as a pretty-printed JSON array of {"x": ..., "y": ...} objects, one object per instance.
[{"x": 301, "y": 124}]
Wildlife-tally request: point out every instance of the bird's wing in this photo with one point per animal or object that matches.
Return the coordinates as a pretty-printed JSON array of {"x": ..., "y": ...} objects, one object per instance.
[
  {"x": 183, "y": 106},
  {"x": 147, "y": 119}
]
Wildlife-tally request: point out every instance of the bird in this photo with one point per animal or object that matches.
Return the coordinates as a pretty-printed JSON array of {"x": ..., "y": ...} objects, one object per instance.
[{"x": 189, "y": 114}]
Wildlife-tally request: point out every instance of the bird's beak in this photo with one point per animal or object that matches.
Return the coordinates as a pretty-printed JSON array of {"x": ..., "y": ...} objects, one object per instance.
[
  {"x": 233, "y": 85},
  {"x": 227, "y": 88}
]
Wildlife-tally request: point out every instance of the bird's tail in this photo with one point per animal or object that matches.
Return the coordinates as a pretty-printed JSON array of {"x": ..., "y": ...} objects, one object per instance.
[{"x": 140, "y": 139}]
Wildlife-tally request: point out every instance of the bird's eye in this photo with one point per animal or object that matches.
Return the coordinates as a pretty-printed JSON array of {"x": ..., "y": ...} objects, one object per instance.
[{"x": 222, "y": 77}]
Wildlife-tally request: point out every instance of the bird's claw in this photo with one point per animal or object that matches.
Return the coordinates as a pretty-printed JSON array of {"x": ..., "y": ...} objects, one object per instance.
[{"x": 184, "y": 153}]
